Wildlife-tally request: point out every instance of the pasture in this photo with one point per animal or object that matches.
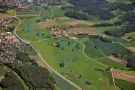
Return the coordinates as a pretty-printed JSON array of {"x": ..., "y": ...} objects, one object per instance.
[
  {"x": 111, "y": 63},
  {"x": 125, "y": 85},
  {"x": 87, "y": 72}
]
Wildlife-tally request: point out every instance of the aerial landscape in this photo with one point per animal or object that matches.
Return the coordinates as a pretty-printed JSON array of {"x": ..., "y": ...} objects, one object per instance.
[{"x": 67, "y": 45}]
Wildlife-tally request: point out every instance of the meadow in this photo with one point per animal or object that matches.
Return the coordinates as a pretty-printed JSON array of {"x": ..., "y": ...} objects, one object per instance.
[
  {"x": 125, "y": 85},
  {"x": 88, "y": 72},
  {"x": 111, "y": 63}
]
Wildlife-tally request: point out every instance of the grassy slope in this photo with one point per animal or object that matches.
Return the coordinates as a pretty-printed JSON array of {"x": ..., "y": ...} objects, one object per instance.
[
  {"x": 125, "y": 84},
  {"x": 111, "y": 63}
]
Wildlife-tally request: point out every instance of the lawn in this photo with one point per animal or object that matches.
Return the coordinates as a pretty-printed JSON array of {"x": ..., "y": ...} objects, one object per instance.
[
  {"x": 63, "y": 85},
  {"x": 2, "y": 71},
  {"x": 125, "y": 85},
  {"x": 88, "y": 72},
  {"x": 111, "y": 63}
]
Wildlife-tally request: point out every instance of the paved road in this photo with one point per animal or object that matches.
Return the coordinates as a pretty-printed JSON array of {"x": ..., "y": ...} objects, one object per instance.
[{"x": 42, "y": 57}]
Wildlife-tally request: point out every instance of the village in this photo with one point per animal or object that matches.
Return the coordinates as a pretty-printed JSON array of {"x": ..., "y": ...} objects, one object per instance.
[
  {"x": 60, "y": 32},
  {"x": 10, "y": 46},
  {"x": 19, "y": 4}
]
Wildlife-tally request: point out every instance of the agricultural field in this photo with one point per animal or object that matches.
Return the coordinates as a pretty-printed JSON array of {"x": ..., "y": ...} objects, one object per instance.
[
  {"x": 11, "y": 12},
  {"x": 4, "y": 16},
  {"x": 64, "y": 85},
  {"x": 49, "y": 53},
  {"x": 111, "y": 63},
  {"x": 2, "y": 71},
  {"x": 125, "y": 85}
]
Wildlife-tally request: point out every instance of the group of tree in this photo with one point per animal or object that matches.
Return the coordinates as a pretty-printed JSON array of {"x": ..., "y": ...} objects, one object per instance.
[
  {"x": 10, "y": 82},
  {"x": 127, "y": 56},
  {"x": 126, "y": 23}
]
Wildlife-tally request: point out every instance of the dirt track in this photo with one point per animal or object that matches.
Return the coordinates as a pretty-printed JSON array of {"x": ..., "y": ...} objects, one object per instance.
[
  {"x": 123, "y": 76},
  {"x": 118, "y": 60}
]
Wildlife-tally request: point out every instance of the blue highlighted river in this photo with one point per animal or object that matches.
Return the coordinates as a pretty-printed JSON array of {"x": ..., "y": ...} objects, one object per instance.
[{"x": 77, "y": 46}]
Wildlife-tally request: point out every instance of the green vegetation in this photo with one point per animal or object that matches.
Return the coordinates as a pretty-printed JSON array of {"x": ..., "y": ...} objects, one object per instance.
[
  {"x": 125, "y": 85},
  {"x": 11, "y": 82},
  {"x": 64, "y": 85},
  {"x": 26, "y": 17},
  {"x": 111, "y": 63},
  {"x": 2, "y": 71},
  {"x": 88, "y": 72},
  {"x": 64, "y": 20},
  {"x": 27, "y": 13},
  {"x": 81, "y": 26},
  {"x": 11, "y": 12}
]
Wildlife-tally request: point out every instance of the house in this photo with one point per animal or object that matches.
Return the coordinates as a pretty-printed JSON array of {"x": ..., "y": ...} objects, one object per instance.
[{"x": 55, "y": 44}]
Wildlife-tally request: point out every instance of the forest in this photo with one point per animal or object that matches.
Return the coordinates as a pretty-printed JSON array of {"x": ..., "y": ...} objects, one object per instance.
[{"x": 94, "y": 9}]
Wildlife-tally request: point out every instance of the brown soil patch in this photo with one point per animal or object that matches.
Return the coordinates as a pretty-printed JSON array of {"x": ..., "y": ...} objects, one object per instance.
[
  {"x": 131, "y": 48},
  {"x": 75, "y": 22},
  {"x": 123, "y": 76},
  {"x": 101, "y": 80},
  {"x": 86, "y": 30},
  {"x": 59, "y": 6},
  {"x": 39, "y": 61},
  {"x": 4, "y": 16},
  {"x": 1, "y": 77},
  {"x": 118, "y": 60},
  {"x": 47, "y": 23}
]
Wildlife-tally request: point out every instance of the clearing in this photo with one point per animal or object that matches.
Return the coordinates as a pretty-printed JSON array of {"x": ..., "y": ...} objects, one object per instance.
[
  {"x": 1, "y": 77},
  {"x": 118, "y": 60}
]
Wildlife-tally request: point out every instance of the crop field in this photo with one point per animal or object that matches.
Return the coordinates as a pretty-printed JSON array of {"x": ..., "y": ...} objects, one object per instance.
[
  {"x": 108, "y": 48},
  {"x": 81, "y": 26},
  {"x": 26, "y": 17},
  {"x": 124, "y": 42},
  {"x": 64, "y": 85},
  {"x": 111, "y": 63},
  {"x": 87, "y": 72},
  {"x": 2, "y": 71},
  {"x": 27, "y": 13},
  {"x": 91, "y": 51},
  {"x": 125, "y": 84}
]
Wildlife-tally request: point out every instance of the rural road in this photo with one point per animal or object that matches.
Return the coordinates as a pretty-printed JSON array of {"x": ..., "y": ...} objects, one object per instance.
[{"x": 42, "y": 57}]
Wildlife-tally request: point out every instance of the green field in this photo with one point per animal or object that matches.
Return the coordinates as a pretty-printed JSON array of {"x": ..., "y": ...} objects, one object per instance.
[
  {"x": 26, "y": 13},
  {"x": 63, "y": 85},
  {"x": 125, "y": 85},
  {"x": 87, "y": 72},
  {"x": 108, "y": 48},
  {"x": 111, "y": 63},
  {"x": 81, "y": 26},
  {"x": 2, "y": 71},
  {"x": 124, "y": 42},
  {"x": 105, "y": 28}
]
